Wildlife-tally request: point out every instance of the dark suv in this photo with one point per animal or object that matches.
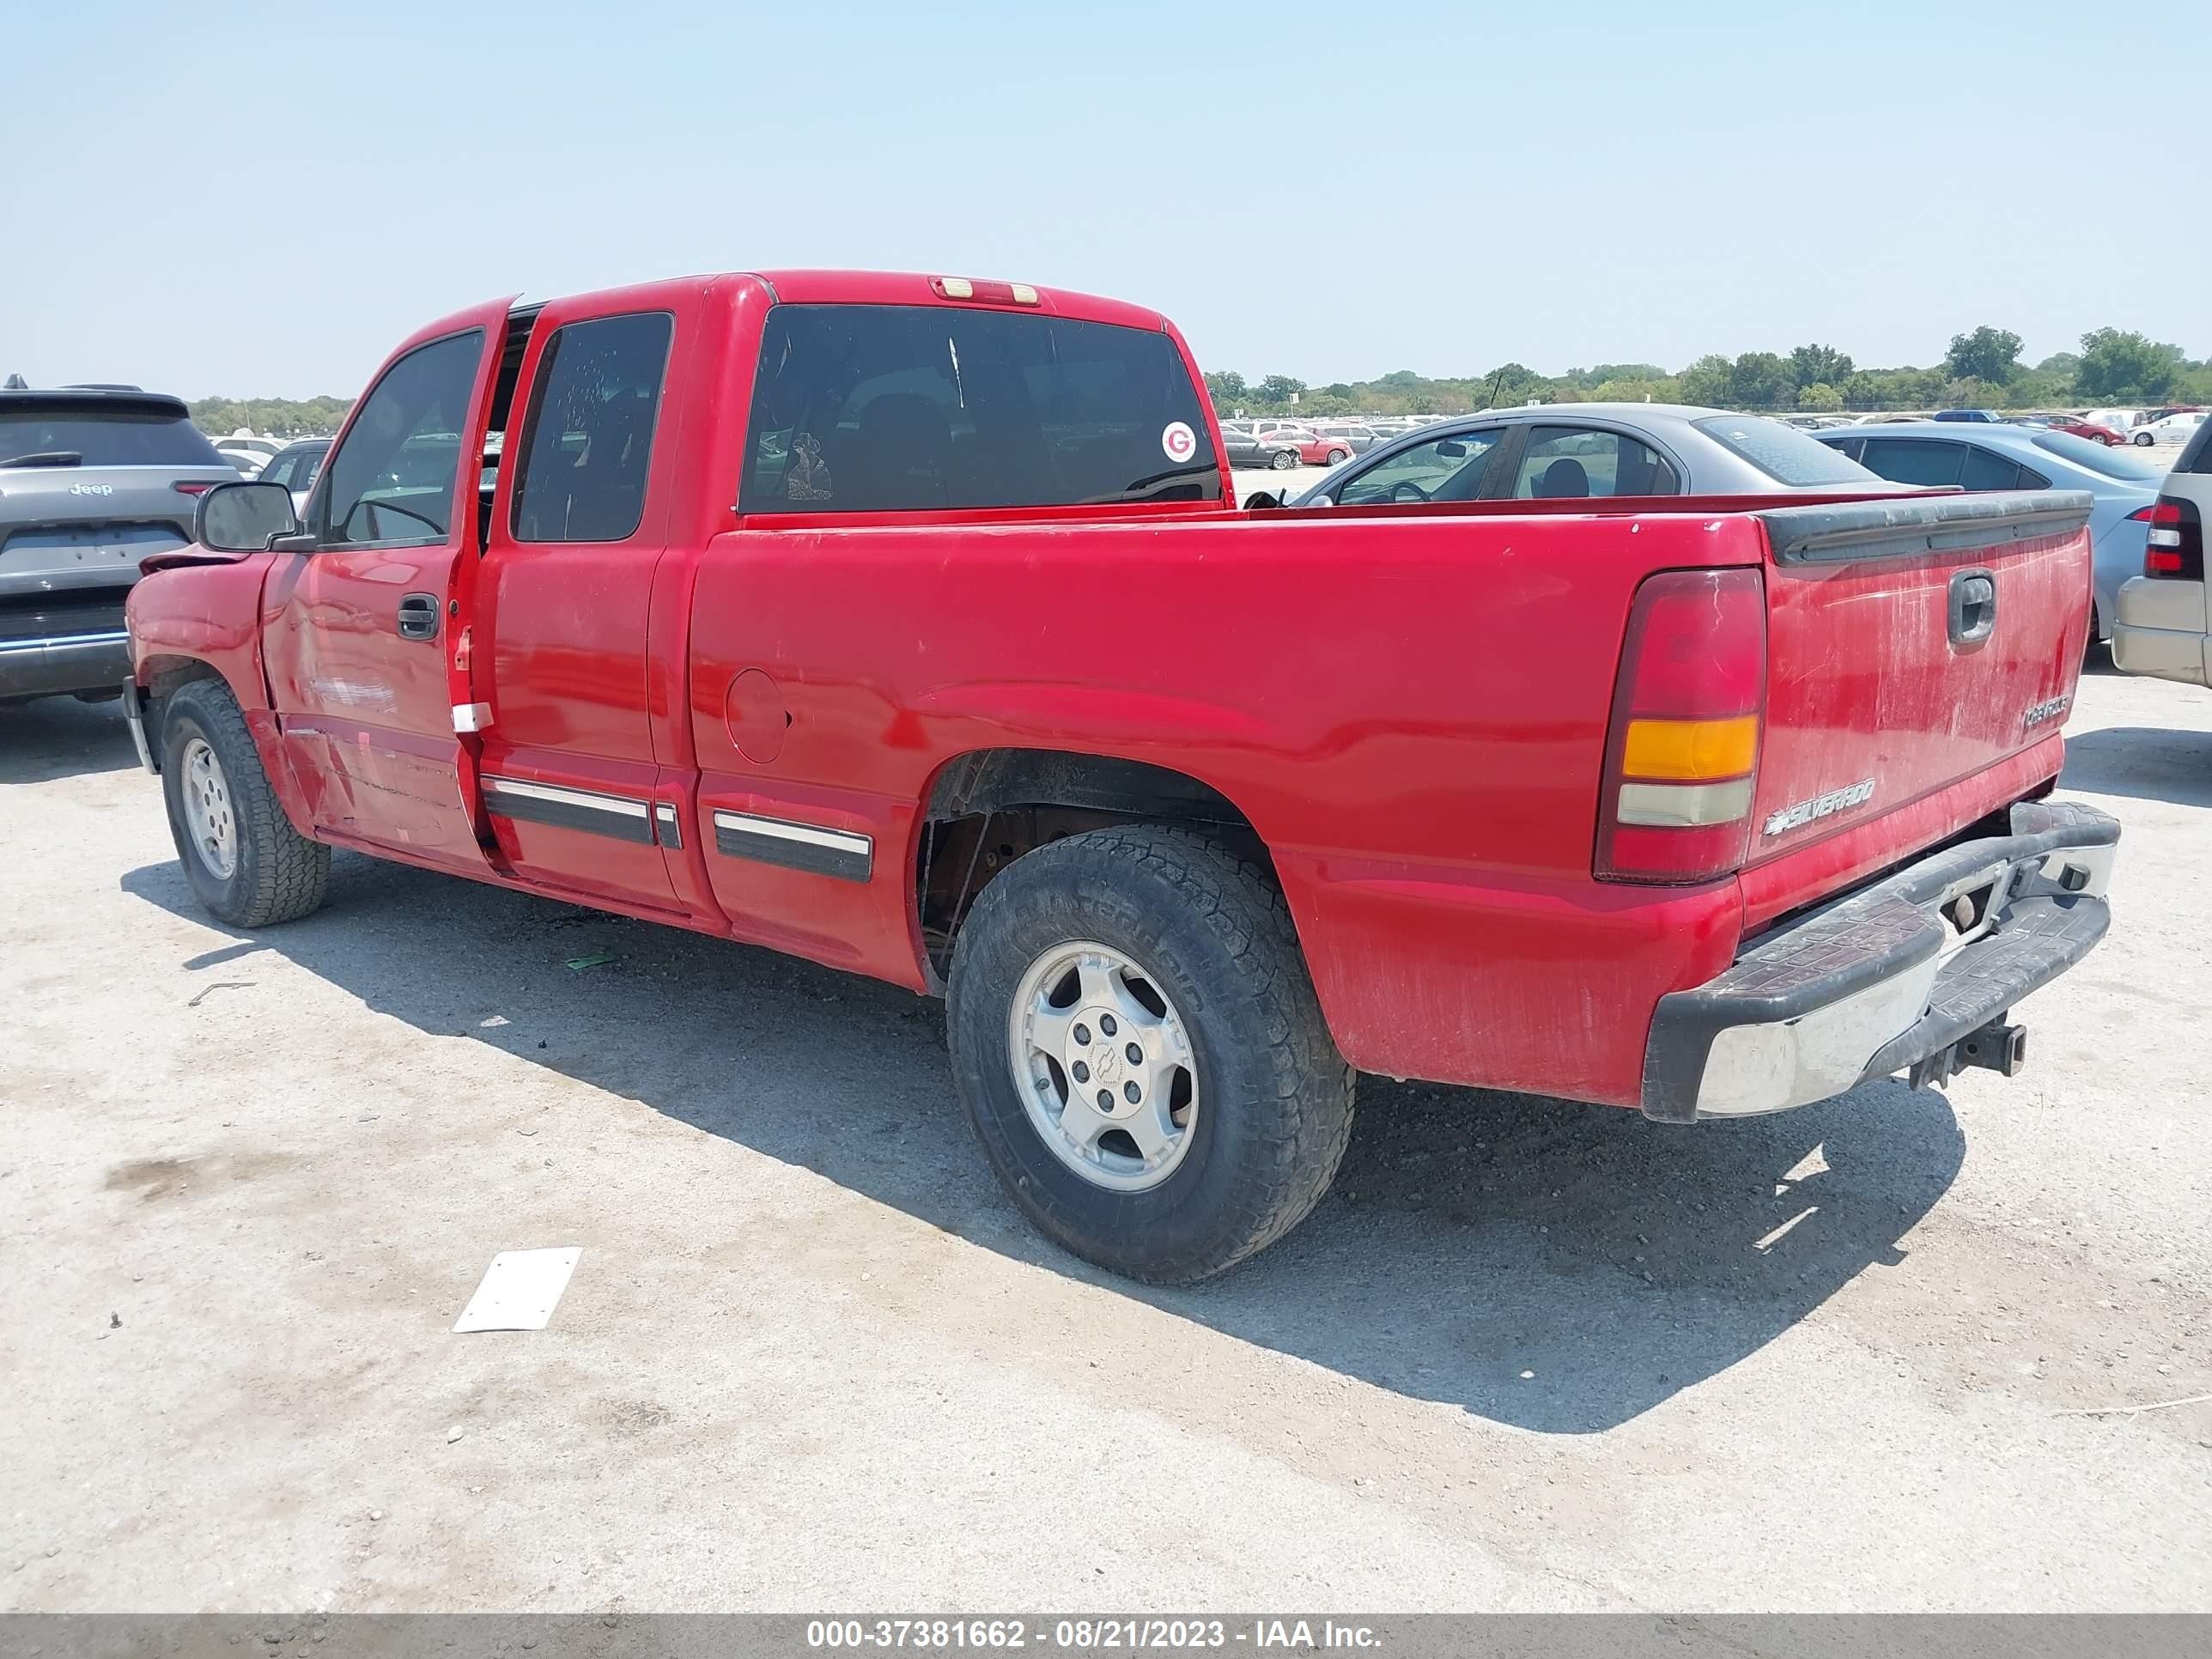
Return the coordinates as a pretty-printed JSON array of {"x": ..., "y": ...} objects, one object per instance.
[{"x": 93, "y": 479}]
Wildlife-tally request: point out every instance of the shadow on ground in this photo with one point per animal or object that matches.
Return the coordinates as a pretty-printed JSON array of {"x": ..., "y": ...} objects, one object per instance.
[
  {"x": 61, "y": 738},
  {"x": 1471, "y": 1237},
  {"x": 2144, "y": 763}
]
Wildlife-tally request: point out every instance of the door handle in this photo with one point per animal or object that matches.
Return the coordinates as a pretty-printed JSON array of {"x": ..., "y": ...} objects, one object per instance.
[
  {"x": 419, "y": 615},
  {"x": 1974, "y": 607}
]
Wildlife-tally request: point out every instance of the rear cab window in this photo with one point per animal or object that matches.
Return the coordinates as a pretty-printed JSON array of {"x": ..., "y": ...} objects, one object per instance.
[
  {"x": 884, "y": 407},
  {"x": 63, "y": 431},
  {"x": 1782, "y": 453}
]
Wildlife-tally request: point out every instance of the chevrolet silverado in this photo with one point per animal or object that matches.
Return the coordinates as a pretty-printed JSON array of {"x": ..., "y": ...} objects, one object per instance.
[{"x": 909, "y": 624}]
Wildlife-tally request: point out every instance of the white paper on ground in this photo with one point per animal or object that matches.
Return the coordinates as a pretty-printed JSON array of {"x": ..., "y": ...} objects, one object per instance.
[{"x": 519, "y": 1290}]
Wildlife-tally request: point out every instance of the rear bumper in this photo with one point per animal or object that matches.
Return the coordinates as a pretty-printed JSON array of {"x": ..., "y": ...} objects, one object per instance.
[
  {"x": 65, "y": 662},
  {"x": 2159, "y": 629},
  {"x": 1885, "y": 979}
]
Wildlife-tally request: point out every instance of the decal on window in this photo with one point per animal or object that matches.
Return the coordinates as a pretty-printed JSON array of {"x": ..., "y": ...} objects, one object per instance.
[{"x": 807, "y": 476}]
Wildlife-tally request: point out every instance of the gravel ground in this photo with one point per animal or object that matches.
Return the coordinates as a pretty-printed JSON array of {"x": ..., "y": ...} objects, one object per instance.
[{"x": 1529, "y": 1355}]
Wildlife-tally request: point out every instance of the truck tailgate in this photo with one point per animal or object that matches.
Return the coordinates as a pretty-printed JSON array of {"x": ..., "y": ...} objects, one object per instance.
[{"x": 1915, "y": 645}]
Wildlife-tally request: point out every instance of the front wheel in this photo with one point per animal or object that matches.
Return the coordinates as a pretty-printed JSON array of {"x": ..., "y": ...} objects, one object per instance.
[
  {"x": 1338, "y": 456},
  {"x": 1142, "y": 1054},
  {"x": 245, "y": 861},
  {"x": 2144, "y": 439}
]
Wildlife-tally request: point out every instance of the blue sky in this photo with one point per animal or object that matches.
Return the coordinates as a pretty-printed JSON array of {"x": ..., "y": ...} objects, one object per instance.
[{"x": 263, "y": 200}]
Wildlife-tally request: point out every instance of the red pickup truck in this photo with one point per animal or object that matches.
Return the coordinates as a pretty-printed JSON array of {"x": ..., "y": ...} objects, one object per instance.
[{"x": 909, "y": 624}]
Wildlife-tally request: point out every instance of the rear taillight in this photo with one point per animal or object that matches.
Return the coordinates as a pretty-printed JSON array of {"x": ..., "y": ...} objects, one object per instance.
[
  {"x": 2174, "y": 545},
  {"x": 192, "y": 486},
  {"x": 1682, "y": 754}
]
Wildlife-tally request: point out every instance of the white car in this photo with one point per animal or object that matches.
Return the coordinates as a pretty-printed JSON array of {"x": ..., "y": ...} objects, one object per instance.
[
  {"x": 248, "y": 454},
  {"x": 2174, "y": 430}
]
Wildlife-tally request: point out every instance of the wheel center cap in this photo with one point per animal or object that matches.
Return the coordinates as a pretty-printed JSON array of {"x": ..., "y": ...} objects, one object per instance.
[{"x": 1104, "y": 1056}]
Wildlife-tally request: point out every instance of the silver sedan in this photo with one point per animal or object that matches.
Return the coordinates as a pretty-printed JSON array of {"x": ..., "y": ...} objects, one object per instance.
[{"x": 1564, "y": 450}]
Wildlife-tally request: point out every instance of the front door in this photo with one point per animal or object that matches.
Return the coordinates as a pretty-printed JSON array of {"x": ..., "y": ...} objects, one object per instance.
[{"x": 358, "y": 627}]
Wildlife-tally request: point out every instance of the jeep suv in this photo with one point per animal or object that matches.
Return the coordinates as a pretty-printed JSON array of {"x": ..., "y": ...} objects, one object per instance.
[{"x": 93, "y": 479}]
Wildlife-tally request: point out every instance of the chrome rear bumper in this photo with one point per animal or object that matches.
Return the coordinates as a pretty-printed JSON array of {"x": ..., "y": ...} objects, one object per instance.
[{"x": 1894, "y": 975}]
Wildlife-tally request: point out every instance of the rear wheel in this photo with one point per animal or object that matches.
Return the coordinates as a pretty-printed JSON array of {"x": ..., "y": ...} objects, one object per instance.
[
  {"x": 1283, "y": 460},
  {"x": 1142, "y": 1054},
  {"x": 245, "y": 861},
  {"x": 1338, "y": 456}
]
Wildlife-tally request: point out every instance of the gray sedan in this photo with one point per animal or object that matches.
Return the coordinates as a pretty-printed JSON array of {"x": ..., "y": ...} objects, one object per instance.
[
  {"x": 1564, "y": 450},
  {"x": 2004, "y": 456}
]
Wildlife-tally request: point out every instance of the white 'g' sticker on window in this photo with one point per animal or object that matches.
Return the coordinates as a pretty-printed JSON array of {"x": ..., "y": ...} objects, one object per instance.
[{"x": 1179, "y": 441}]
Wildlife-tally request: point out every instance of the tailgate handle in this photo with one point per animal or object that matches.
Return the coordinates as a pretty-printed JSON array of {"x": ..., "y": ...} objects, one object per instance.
[{"x": 1973, "y": 606}]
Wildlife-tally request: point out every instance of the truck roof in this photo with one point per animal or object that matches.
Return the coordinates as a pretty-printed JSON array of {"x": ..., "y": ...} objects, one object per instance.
[{"x": 898, "y": 287}]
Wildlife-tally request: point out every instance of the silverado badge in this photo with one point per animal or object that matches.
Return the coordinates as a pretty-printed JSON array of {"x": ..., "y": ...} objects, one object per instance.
[{"x": 1836, "y": 800}]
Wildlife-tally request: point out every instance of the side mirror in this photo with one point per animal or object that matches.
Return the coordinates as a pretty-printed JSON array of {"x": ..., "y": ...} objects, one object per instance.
[
  {"x": 1260, "y": 500},
  {"x": 244, "y": 517}
]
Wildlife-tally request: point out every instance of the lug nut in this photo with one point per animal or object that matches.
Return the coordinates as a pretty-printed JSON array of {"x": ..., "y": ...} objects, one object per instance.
[
  {"x": 1136, "y": 1054},
  {"x": 1083, "y": 1034},
  {"x": 1131, "y": 1093},
  {"x": 1106, "y": 1024},
  {"x": 1082, "y": 1072},
  {"x": 1105, "y": 1100}
]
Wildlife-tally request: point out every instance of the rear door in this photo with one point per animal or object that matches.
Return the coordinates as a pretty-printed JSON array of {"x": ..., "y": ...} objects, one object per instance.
[
  {"x": 358, "y": 629},
  {"x": 1913, "y": 643},
  {"x": 571, "y": 780}
]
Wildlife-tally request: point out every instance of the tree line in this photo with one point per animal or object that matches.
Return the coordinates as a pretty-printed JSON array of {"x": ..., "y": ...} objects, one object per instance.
[
  {"x": 1981, "y": 370},
  {"x": 271, "y": 417}
]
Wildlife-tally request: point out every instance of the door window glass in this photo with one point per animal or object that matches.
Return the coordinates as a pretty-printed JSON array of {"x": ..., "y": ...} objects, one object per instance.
[
  {"x": 1985, "y": 471},
  {"x": 587, "y": 444},
  {"x": 393, "y": 479},
  {"x": 1447, "y": 469},
  {"x": 1564, "y": 461},
  {"x": 1916, "y": 460}
]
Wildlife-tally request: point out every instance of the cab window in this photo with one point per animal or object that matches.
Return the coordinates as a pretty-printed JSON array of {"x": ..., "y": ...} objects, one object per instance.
[
  {"x": 393, "y": 478},
  {"x": 877, "y": 408},
  {"x": 1565, "y": 461},
  {"x": 587, "y": 442}
]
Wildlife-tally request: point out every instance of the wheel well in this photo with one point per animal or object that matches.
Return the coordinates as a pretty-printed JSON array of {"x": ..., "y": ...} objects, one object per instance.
[
  {"x": 164, "y": 675},
  {"x": 988, "y": 808}
]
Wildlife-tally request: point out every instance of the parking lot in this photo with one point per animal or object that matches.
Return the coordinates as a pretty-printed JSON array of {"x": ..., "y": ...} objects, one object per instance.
[{"x": 1529, "y": 1355}]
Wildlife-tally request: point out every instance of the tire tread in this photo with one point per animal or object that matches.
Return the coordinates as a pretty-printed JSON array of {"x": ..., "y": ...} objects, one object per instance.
[{"x": 289, "y": 873}]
